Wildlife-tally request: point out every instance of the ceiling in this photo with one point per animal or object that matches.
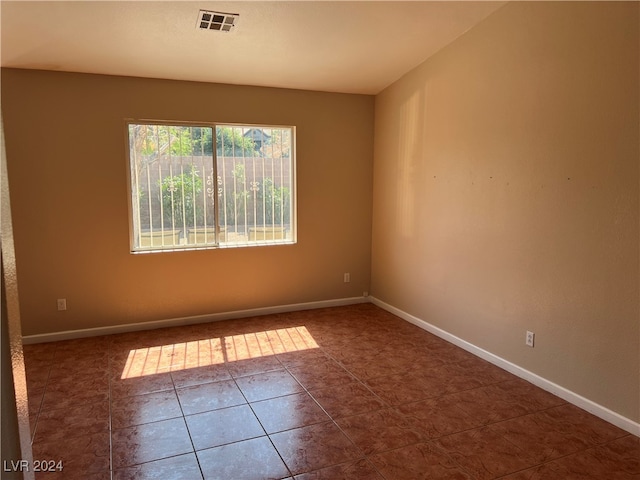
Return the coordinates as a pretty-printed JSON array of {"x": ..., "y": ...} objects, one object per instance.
[{"x": 339, "y": 46}]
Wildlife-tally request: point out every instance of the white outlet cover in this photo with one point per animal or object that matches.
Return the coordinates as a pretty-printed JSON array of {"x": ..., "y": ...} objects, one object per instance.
[{"x": 530, "y": 339}]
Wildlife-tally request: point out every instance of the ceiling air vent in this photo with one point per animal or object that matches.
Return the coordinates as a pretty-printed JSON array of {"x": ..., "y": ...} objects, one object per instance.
[{"x": 222, "y": 22}]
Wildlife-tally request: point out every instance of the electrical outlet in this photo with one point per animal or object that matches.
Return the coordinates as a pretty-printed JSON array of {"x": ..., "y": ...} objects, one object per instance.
[
  {"x": 529, "y": 339},
  {"x": 62, "y": 304},
  {"x": 347, "y": 277}
]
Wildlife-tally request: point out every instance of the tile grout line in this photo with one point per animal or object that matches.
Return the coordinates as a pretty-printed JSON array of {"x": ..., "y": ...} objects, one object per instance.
[
  {"x": 184, "y": 419},
  {"x": 306, "y": 391},
  {"x": 333, "y": 420},
  {"x": 394, "y": 407},
  {"x": 44, "y": 391},
  {"x": 554, "y": 459},
  {"x": 258, "y": 418}
]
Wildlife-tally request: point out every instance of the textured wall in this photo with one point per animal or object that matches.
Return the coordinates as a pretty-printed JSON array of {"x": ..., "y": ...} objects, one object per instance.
[
  {"x": 506, "y": 193},
  {"x": 15, "y": 435}
]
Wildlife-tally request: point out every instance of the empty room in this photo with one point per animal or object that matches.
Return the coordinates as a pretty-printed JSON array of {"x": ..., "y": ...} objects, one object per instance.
[{"x": 320, "y": 240}]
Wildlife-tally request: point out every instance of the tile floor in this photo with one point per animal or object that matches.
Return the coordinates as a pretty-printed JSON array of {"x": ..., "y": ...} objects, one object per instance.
[{"x": 341, "y": 393}]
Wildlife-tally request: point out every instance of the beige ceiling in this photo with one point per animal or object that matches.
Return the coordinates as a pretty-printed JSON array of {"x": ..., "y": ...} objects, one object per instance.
[{"x": 353, "y": 47}]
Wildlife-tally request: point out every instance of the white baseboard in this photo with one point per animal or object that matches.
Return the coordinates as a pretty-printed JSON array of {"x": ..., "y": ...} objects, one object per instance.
[
  {"x": 571, "y": 397},
  {"x": 192, "y": 320}
]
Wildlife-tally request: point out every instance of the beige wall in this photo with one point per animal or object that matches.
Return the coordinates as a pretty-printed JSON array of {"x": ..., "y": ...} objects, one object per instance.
[
  {"x": 506, "y": 193},
  {"x": 68, "y": 175}
]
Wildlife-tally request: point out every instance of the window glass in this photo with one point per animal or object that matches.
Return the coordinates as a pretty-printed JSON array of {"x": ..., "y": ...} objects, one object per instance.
[{"x": 187, "y": 194}]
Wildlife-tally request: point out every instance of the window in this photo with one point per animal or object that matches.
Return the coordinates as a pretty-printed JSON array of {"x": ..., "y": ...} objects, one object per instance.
[{"x": 207, "y": 186}]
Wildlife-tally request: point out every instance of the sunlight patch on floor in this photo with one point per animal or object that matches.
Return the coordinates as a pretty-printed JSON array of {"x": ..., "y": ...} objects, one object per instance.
[{"x": 217, "y": 350}]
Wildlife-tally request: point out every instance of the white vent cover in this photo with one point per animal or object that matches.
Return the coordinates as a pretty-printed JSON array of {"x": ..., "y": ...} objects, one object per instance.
[{"x": 217, "y": 21}]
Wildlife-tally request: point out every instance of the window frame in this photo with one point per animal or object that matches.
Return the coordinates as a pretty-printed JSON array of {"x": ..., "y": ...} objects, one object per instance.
[{"x": 133, "y": 249}]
